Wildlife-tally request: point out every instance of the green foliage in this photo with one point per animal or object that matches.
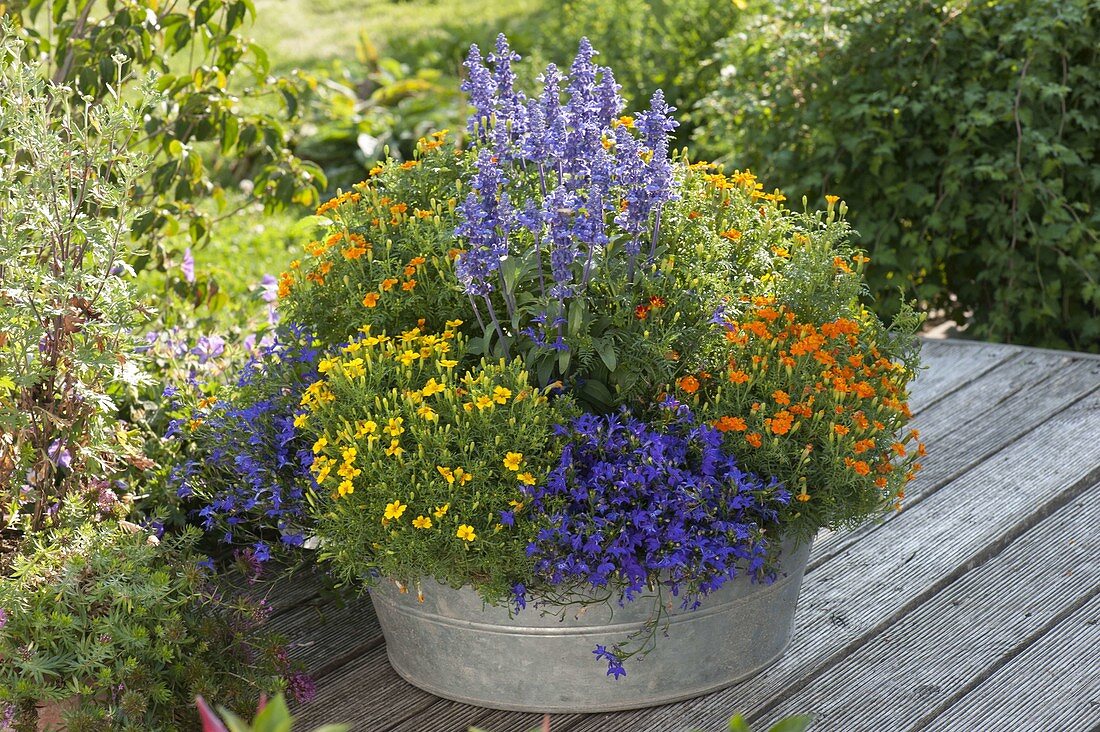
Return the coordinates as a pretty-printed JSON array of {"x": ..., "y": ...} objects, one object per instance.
[
  {"x": 66, "y": 303},
  {"x": 962, "y": 134},
  {"x": 109, "y": 630},
  {"x": 387, "y": 259},
  {"x": 273, "y": 716},
  {"x": 451, "y": 451},
  {"x": 665, "y": 44},
  {"x": 222, "y": 116}
]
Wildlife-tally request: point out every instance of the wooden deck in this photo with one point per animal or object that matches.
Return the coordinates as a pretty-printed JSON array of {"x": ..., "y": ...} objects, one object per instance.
[{"x": 975, "y": 608}]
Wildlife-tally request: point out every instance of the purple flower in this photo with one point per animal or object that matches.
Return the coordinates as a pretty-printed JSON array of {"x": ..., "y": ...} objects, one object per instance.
[
  {"x": 478, "y": 84},
  {"x": 485, "y": 219},
  {"x": 59, "y": 454},
  {"x": 269, "y": 288},
  {"x": 209, "y": 347},
  {"x": 3, "y": 618},
  {"x": 301, "y": 688},
  {"x": 188, "y": 265}
]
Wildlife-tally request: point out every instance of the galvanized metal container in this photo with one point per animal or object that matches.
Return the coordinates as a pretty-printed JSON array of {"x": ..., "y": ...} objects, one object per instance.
[{"x": 454, "y": 646}]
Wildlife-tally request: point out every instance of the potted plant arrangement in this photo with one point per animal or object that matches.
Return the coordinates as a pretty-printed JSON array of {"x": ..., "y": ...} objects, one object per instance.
[{"x": 570, "y": 395}]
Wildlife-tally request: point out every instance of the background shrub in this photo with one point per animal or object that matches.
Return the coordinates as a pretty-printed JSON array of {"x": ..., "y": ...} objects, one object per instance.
[{"x": 961, "y": 134}]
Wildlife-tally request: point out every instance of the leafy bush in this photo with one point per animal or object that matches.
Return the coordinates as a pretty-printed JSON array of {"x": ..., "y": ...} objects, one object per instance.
[
  {"x": 101, "y": 628},
  {"x": 223, "y": 116},
  {"x": 272, "y": 716},
  {"x": 669, "y": 45},
  {"x": 66, "y": 315},
  {"x": 962, "y": 135}
]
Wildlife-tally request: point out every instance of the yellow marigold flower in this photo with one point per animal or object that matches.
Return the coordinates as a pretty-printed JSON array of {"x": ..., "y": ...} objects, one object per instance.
[
  {"x": 426, "y": 351},
  {"x": 394, "y": 510},
  {"x": 393, "y": 427},
  {"x": 365, "y": 427},
  {"x": 501, "y": 394},
  {"x": 301, "y": 420},
  {"x": 395, "y": 449},
  {"x": 526, "y": 478},
  {"x": 324, "y": 366},
  {"x": 422, "y": 522},
  {"x": 831, "y": 199},
  {"x": 483, "y": 402},
  {"x": 320, "y": 444},
  {"x": 352, "y": 347},
  {"x": 348, "y": 471},
  {"x": 349, "y": 453},
  {"x": 447, "y": 474},
  {"x": 410, "y": 335},
  {"x": 441, "y": 511},
  {"x": 346, "y": 487},
  {"x": 462, "y": 476},
  {"x": 512, "y": 460},
  {"x": 432, "y": 387},
  {"x": 407, "y": 357},
  {"x": 447, "y": 363},
  {"x": 466, "y": 532},
  {"x": 517, "y": 505},
  {"x": 426, "y": 412},
  {"x": 626, "y": 121},
  {"x": 322, "y": 474},
  {"x": 354, "y": 369},
  {"x": 370, "y": 300},
  {"x": 453, "y": 323}
]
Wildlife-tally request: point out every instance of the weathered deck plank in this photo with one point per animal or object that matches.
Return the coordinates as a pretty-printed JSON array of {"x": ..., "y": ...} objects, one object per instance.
[
  {"x": 931, "y": 657},
  {"x": 1001, "y": 489},
  {"x": 950, "y": 365},
  {"x": 1053, "y": 685}
]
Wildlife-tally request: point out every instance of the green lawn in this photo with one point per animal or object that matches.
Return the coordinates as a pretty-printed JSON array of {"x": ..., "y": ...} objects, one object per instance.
[{"x": 305, "y": 32}]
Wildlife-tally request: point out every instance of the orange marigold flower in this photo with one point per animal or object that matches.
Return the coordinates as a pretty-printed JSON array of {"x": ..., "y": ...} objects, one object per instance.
[
  {"x": 768, "y": 314},
  {"x": 399, "y": 208},
  {"x": 840, "y": 429},
  {"x": 757, "y": 328},
  {"x": 781, "y": 397},
  {"x": 738, "y": 377},
  {"x": 694, "y": 214},
  {"x": 863, "y": 389},
  {"x": 641, "y": 312},
  {"x": 354, "y": 252},
  {"x": 898, "y": 448},
  {"x": 409, "y": 285},
  {"x": 731, "y": 234},
  {"x": 410, "y": 270},
  {"x": 286, "y": 282},
  {"x": 803, "y": 497},
  {"x": 409, "y": 164},
  {"x": 422, "y": 214},
  {"x": 730, "y": 424},
  {"x": 863, "y": 446},
  {"x": 689, "y": 384},
  {"x": 781, "y": 423},
  {"x": 417, "y": 261},
  {"x": 370, "y": 300},
  {"x": 657, "y": 302},
  {"x": 880, "y": 482},
  {"x": 754, "y": 439},
  {"x": 860, "y": 259},
  {"x": 388, "y": 283}
]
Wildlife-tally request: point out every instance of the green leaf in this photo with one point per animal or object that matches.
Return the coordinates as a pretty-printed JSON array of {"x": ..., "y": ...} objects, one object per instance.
[
  {"x": 606, "y": 349},
  {"x": 797, "y": 723},
  {"x": 738, "y": 724},
  {"x": 275, "y": 717}
]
